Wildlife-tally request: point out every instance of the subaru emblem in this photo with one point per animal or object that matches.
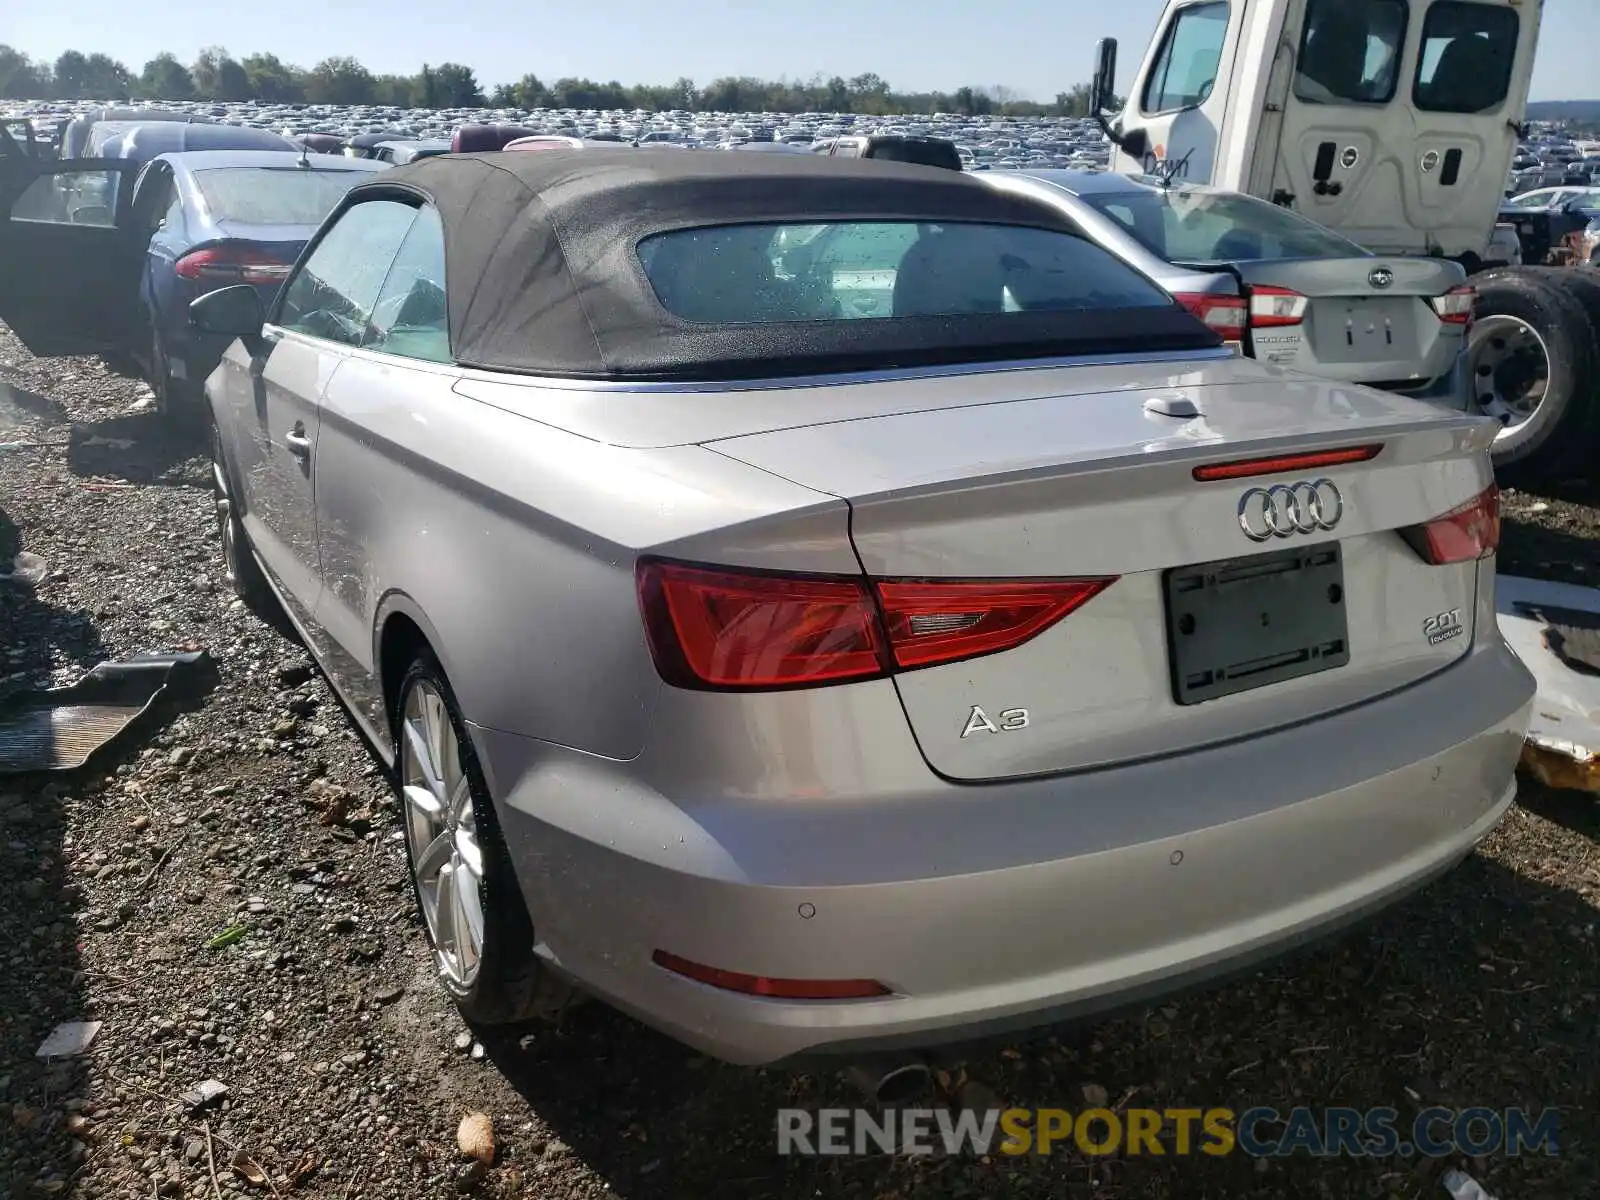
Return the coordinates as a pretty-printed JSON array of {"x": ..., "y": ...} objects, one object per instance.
[{"x": 1381, "y": 277}]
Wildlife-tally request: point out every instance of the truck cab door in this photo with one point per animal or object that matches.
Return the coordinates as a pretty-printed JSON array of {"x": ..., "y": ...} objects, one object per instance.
[
  {"x": 1179, "y": 99},
  {"x": 72, "y": 258},
  {"x": 1401, "y": 119}
]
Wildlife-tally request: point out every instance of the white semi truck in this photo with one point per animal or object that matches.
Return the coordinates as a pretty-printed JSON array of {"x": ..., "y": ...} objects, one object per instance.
[{"x": 1394, "y": 122}]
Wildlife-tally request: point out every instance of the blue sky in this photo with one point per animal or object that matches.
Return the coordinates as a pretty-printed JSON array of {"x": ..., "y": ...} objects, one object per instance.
[{"x": 1037, "y": 48}]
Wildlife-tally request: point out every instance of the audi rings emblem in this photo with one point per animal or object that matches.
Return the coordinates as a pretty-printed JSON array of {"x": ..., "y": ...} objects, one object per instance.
[{"x": 1287, "y": 509}]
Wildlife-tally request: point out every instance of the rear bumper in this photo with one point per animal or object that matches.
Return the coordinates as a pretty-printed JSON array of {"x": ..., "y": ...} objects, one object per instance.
[
  {"x": 1452, "y": 389},
  {"x": 1255, "y": 848}
]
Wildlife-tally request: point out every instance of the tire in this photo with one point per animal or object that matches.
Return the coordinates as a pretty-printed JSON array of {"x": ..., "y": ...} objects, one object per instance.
[
  {"x": 181, "y": 406},
  {"x": 1581, "y": 283},
  {"x": 1519, "y": 306},
  {"x": 239, "y": 566},
  {"x": 501, "y": 981}
]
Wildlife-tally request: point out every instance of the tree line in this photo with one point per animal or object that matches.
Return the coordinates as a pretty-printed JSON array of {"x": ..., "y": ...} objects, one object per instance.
[{"x": 218, "y": 76}]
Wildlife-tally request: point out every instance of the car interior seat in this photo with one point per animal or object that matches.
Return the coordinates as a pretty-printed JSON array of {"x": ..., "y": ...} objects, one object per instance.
[
  {"x": 949, "y": 274},
  {"x": 1203, "y": 69},
  {"x": 1469, "y": 78},
  {"x": 424, "y": 305},
  {"x": 1241, "y": 244},
  {"x": 727, "y": 277},
  {"x": 1335, "y": 54}
]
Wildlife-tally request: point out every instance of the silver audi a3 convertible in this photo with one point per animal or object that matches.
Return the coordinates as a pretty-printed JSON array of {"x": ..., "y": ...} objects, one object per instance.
[{"x": 831, "y": 608}]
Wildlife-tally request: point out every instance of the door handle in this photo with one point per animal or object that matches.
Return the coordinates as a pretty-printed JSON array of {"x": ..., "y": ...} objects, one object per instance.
[{"x": 297, "y": 441}]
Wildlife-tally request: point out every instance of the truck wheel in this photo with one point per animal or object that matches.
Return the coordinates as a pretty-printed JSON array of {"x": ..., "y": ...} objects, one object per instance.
[
  {"x": 1581, "y": 283},
  {"x": 1533, "y": 361}
]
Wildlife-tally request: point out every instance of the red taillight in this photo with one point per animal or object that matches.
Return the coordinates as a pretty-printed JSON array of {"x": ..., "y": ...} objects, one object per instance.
[
  {"x": 235, "y": 264},
  {"x": 1276, "y": 307},
  {"x": 1462, "y": 534},
  {"x": 937, "y": 622},
  {"x": 762, "y": 985},
  {"x": 1225, "y": 314},
  {"x": 712, "y": 628},
  {"x": 1247, "y": 468},
  {"x": 728, "y": 630},
  {"x": 1455, "y": 307}
]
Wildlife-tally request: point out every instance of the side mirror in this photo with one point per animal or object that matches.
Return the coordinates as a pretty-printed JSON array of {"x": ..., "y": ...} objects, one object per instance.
[
  {"x": 1104, "y": 84},
  {"x": 233, "y": 311},
  {"x": 1136, "y": 143}
]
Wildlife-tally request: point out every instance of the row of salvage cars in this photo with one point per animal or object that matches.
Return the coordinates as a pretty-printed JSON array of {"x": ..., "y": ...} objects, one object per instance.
[
  {"x": 834, "y": 637},
  {"x": 1280, "y": 287}
]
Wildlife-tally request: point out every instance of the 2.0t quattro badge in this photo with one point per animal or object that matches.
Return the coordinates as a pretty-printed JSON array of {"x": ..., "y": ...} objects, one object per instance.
[{"x": 1286, "y": 509}]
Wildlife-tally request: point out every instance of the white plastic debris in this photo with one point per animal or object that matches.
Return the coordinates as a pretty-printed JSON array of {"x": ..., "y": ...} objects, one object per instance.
[
  {"x": 1563, "y": 746},
  {"x": 1462, "y": 1186},
  {"x": 205, "y": 1094},
  {"x": 68, "y": 1040},
  {"x": 26, "y": 569}
]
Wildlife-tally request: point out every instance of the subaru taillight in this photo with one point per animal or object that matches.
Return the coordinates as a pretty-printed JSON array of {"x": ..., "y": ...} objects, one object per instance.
[
  {"x": 1276, "y": 307},
  {"x": 232, "y": 264},
  {"x": 710, "y": 627},
  {"x": 1455, "y": 306},
  {"x": 1463, "y": 534},
  {"x": 1225, "y": 314}
]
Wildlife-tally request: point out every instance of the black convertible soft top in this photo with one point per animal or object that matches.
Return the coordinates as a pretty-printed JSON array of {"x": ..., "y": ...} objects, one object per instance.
[{"x": 542, "y": 276}]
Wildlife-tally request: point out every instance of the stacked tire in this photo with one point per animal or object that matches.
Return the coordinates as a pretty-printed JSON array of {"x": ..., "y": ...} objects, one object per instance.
[{"x": 1562, "y": 307}]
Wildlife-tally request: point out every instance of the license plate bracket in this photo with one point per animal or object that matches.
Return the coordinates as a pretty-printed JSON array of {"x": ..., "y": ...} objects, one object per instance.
[
  {"x": 1243, "y": 623},
  {"x": 1369, "y": 325}
]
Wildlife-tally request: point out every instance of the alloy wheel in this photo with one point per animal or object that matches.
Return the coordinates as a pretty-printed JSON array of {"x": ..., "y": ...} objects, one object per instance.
[
  {"x": 441, "y": 833},
  {"x": 227, "y": 528}
]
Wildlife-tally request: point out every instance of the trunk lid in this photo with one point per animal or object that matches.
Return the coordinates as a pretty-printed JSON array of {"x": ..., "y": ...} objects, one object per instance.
[
  {"x": 1098, "y": 484},
  {"x": 284, "y": 240},
  {"x": 1356, "y": 328}
]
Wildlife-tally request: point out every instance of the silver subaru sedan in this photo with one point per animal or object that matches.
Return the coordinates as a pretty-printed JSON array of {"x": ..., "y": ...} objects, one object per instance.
[{"x": 1288, "y": 291}]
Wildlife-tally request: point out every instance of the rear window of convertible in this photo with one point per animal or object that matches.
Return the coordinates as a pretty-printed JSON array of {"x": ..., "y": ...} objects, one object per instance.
[{"x": 755, "y": 274}]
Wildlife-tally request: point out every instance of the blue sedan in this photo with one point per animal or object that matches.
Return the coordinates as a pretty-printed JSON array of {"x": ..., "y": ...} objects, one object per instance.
[{"x": 216, "y": 218}]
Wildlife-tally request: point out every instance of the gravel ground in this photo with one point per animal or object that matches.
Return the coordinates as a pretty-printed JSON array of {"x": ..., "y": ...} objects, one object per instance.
[{"x": 254, "y": 811}]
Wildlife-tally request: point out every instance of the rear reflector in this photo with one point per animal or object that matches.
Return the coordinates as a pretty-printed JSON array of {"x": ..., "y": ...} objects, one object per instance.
[
  {"x": 1276, "y": 307},
  {"x": 1225, "y": 314},
  {"x": 711, "y": 628},
  {"x": 761, "y": 985},
  {"x": 1455, "y": 307},
  {"x": 1246, "y": 468},
  {"x": 232, "y": 264},
  {"x": 1462, "y": 534}
]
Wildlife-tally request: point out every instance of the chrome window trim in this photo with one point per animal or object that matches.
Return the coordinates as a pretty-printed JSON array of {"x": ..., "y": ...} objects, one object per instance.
[{"x": 562, "y": 383}]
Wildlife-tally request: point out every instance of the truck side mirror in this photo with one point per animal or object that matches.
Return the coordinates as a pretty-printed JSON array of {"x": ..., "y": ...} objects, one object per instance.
[{"x": 1104, "y": 85}]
